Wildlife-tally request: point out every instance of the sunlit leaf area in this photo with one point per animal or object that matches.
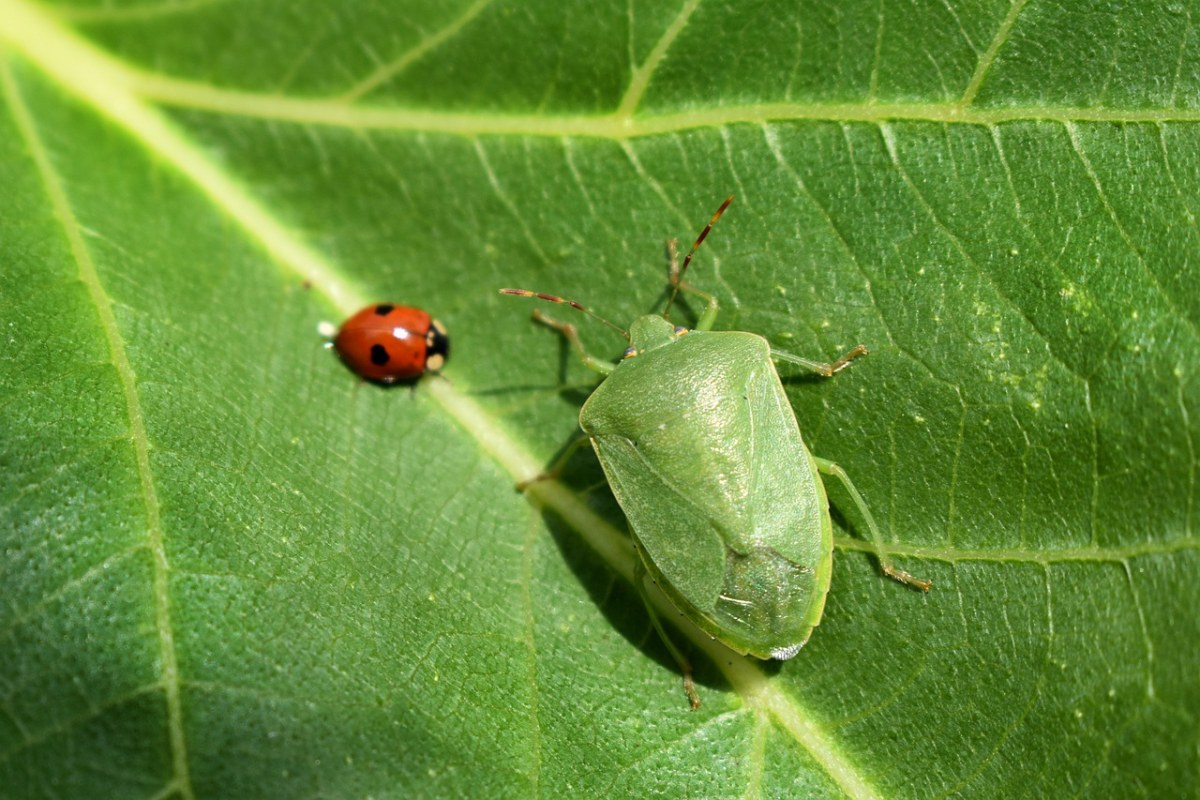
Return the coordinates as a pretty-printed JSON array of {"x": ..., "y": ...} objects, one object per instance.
[{"x": 230, "y": 568}]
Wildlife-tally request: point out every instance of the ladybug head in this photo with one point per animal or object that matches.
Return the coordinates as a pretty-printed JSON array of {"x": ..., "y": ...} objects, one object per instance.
[{"x": 437, "y": 346}]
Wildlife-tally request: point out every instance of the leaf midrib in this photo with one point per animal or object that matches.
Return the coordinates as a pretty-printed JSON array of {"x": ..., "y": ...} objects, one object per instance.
[{"x": 615, "y": 126}]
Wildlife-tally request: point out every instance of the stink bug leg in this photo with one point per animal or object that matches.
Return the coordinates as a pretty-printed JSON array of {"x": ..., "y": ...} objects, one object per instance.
[
  {"x": 557, "y": 467},
  {"x": 567, "y": 329},
  {"x": 591, "y": 362},
  {"x": 685, "y": 666},
  {"x": 572, "y": 335},
  {"x": 827, "y": 467},
  {"x": 827, "y": 370}
]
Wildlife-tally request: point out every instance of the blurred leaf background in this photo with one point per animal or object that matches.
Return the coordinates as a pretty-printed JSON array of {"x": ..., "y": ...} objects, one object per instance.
[{"x": 229, "y": 569}]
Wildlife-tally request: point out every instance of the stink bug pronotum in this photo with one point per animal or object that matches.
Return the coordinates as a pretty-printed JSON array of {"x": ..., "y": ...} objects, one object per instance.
[{"x": 725, "y": 504}]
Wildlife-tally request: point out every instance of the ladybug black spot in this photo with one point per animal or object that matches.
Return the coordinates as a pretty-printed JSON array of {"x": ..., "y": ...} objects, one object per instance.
[
  {"x": 379, "y": 355},
  {"x": 384, "y": 310}
]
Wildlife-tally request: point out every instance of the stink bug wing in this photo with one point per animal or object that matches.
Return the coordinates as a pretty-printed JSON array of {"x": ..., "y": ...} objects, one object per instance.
[
  {"x": 651, "y": 503},
  {"x": 700, "y": 445}
]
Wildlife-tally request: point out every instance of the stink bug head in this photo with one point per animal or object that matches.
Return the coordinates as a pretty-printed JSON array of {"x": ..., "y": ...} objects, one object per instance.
[{"x": 651, "y": 332}]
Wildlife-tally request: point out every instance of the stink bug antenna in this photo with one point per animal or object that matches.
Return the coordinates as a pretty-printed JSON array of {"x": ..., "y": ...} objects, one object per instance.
[
  {"x": 551, "y": 298},
  {"x": 677, "y": 275}
]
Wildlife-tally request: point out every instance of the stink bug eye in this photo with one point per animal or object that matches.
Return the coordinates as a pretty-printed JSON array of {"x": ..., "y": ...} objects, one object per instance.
[{"x": 699, "y": 442}]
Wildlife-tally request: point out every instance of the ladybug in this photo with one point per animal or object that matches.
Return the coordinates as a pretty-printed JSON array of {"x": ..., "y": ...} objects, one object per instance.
[{"x": 388, "y": 343}]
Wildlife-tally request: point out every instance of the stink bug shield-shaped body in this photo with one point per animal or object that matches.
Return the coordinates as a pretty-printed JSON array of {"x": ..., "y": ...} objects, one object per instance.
[{"x": 704, "y": 455}]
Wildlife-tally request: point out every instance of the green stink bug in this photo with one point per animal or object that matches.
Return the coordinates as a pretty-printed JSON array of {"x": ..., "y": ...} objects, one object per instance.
[{"x": 703, "y": 453}]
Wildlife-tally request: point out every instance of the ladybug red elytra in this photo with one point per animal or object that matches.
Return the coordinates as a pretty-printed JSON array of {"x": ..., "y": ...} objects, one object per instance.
[{"x": 388, "y": 343}]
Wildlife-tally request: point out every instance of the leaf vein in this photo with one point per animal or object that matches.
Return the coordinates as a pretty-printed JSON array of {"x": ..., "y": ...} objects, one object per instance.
[
  {"x": 415, "y": 53},
  {"x": 62, "y": 726},
  {"x": 641, "y": 76},
  {"x": 989, "y": 56},
  {"x": 1011, "y": 729},
  {"x": 507, "y": 202},
  {"x": 139, "y": 438},
  {"x": 28, "y": 614},
  {"x": 1143, "y": 629},
  {"x": 1111, "y": 212},
  {"x": 1091, "y": 553}
]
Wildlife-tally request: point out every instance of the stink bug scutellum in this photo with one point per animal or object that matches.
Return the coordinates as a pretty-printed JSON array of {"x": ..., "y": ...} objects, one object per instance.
[{"x": 702, "y": 451}]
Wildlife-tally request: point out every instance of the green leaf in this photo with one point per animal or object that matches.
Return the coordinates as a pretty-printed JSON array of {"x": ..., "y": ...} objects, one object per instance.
[{"x": 232, "y": 570}]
